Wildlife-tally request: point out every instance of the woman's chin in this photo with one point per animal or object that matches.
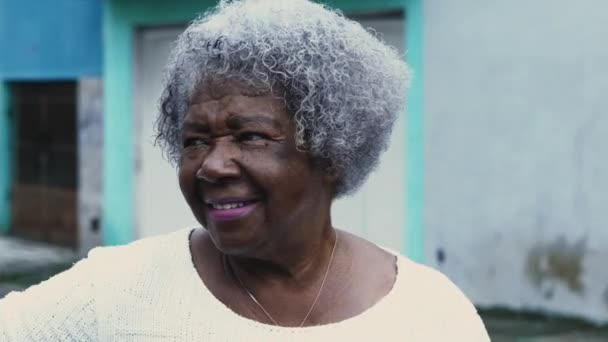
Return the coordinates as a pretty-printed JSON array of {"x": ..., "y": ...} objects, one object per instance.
[{"x": 234, "y": 242}]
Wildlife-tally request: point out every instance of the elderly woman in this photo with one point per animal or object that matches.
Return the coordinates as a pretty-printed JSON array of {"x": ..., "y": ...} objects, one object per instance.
[{"x": 271, "y": 110}]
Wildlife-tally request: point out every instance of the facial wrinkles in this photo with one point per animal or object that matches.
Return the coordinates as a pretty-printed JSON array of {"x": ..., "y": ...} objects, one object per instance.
[
  {"x": 217, "y": 113},
  {"x": 270, "y": 168}
]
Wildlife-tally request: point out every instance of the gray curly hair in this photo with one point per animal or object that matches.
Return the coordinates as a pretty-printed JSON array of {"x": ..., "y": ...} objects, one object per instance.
[{"x": 343, "y": 86}]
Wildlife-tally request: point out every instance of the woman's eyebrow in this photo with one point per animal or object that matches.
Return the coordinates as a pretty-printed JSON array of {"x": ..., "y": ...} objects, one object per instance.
[
  {"x": 238, "y": 121},
  {"x": 195, "y": 126}
]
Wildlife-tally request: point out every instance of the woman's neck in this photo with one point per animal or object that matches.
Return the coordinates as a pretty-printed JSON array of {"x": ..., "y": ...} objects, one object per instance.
[{"x": 293, "y": 265}]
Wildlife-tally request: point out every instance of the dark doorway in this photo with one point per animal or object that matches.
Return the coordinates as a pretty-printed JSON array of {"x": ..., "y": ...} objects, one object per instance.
[{"x": 44, "y": 188}]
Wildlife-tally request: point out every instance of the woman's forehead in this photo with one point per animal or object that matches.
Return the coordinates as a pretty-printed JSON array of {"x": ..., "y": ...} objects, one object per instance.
[
  {"x": 236, "y": 103},
  {"x": 227, "y": 96},
  {"x": 215, "y": 90}
]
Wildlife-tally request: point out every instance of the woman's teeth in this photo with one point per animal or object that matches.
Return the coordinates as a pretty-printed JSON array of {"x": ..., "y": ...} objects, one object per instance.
[{"x": 228, "y": 205}]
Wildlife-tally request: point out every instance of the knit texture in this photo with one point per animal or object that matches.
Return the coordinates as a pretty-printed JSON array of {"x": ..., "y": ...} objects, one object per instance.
[{"x": 149, "y": 291}]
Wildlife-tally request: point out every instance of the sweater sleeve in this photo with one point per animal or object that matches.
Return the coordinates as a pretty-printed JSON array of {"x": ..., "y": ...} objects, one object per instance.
[{"x": 59, "y": 309}]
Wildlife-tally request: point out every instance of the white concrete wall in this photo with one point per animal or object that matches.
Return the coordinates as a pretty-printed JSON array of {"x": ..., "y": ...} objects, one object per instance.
[{"x": 516, "y": 131}]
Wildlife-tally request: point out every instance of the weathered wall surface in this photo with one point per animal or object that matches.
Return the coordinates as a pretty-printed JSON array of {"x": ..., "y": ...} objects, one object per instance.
[
  {"x": 90, "y": 147},
  {"x": 516, "y": 171}
]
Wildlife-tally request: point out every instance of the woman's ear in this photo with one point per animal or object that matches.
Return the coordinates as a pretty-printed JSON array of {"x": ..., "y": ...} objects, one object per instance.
[{"x": 331, "y": 174}]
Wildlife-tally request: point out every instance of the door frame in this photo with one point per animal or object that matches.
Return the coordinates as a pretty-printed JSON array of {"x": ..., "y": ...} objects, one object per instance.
[
  {"x": 121, "y": 19},
  {"x": 6, "y": 158}
]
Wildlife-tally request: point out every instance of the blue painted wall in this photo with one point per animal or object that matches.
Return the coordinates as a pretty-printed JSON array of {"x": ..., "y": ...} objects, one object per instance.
[
  {"x": 50, "y": 39},
  {"x": 41, "y": 41}
]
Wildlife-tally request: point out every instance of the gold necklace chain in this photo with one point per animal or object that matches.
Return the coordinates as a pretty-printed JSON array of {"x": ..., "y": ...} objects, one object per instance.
[{"x": 313, "y": 303}]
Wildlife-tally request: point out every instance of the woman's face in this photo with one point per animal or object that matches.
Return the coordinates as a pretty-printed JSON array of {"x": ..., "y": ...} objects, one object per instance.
[{"x": 241, "y": 173}]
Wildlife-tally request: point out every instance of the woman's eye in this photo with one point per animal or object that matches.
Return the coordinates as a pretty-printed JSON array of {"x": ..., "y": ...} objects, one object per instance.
[
  {"x": 250, "y": 136},
  {"x": 193, "y": 142}
]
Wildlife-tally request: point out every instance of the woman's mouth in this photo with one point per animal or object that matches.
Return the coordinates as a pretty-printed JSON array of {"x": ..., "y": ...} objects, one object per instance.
[{"x": 230, "y": 210}]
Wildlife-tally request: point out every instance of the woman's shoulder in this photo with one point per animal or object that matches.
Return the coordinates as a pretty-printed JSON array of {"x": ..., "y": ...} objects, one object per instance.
[
  {"x": 142, "y": 249},
  {"x": 436, "y": 302},
  {"x": 140, "y": 255},
  {"x": 421, "y": 281},
  {"x": 135, "y": 277},
  {"x": 436, "y": 286},
  {"x": 421, "y": 297}
]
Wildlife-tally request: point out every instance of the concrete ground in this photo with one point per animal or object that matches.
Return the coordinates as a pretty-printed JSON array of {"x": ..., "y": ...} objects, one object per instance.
[
  {"x": 509, "y": 326},
  {"x": 24, "y": 263}
]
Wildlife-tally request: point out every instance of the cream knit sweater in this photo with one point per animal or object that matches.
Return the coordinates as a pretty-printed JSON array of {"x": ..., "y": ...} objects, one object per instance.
[{"x": 150, "y": 291}]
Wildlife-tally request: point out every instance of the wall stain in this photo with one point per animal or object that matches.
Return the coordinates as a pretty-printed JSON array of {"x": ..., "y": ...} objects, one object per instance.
[{"x": 557, "y": 262}]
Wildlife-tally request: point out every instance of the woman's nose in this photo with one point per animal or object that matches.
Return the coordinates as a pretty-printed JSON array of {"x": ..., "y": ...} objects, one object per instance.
[{"x": 219, "y": 164}]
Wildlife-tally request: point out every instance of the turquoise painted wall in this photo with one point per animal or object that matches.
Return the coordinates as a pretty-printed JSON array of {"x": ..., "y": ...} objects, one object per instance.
[
  {"x": 117, "y": 202},
  {"x": 414, "y": 229},
  {"x": 120, "y": 20},
  {"x": 122, "y": 17},
  {"x": 5, "y": 160}
]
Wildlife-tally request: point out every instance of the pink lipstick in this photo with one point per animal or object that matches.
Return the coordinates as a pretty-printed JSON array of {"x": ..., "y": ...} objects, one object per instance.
[{"x": 228, "y": 211}]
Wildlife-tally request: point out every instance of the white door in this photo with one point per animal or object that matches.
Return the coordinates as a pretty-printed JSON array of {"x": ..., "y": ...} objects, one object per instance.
[
  {"x": 376, "y": 212},
  {"x": 160, "y": 205}
]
